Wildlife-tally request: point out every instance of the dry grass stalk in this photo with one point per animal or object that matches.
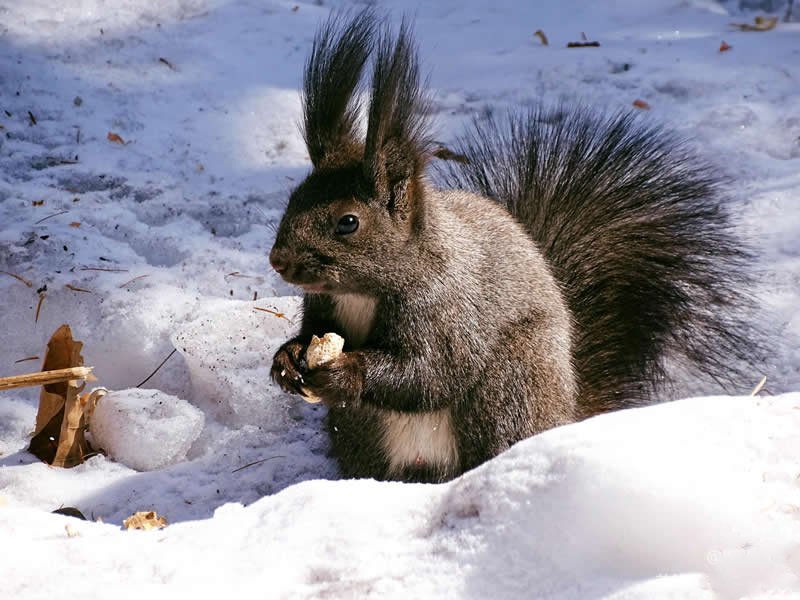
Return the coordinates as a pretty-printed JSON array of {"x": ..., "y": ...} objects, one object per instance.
[
  {"x": 39, "y": 306},
  {"x": 759, "y": 386},
  {"x": 77, "y": 289},
  {"x": 130, "y": 281},
  {"x": 55, "y": 214},
  {"x": 106, "y": 269},
  {"x": 18, "y": 278},
  {"x": 280, "y": 315}
]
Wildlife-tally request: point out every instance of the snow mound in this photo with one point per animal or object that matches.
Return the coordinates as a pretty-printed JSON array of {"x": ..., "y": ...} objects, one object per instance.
[
  {"x": 228, "y": 348},
  {"x": 145, "y": 429},
  {"x": 690, "y": 499}
]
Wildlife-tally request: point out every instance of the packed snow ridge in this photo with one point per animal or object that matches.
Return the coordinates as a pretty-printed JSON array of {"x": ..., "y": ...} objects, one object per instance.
[{"x": 158, "y": 240}]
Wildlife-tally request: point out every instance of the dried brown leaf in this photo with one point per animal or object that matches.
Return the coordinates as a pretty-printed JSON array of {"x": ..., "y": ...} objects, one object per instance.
[
  {"x": 61, "y": 420},
  {"x": 641, "y": 104},
  {"x": 542, "y": 37},
  {"x": 113, "y": 137},
  {"x": 145, "y": 520}
]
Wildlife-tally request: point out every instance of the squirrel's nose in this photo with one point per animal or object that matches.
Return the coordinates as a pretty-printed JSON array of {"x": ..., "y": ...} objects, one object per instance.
[{"x": 278, "y": 261}]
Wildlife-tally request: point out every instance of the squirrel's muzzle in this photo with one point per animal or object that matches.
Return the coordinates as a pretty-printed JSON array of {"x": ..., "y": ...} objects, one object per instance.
[{"x": 279, "y": 261}]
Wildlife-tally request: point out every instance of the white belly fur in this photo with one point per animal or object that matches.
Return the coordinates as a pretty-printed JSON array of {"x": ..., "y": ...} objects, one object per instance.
[
  {"x": 355, "y": 313},
  {"x": 419, "y": 439},
  {"x": 408, "y": 438}
]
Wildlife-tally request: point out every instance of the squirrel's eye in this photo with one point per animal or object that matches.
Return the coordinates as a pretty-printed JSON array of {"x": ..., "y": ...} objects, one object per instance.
[{"x": 347, "y": 224}]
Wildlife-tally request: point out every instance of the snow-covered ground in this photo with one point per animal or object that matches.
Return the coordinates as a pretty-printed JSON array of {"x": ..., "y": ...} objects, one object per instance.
[{"x": 697, "y": 498}]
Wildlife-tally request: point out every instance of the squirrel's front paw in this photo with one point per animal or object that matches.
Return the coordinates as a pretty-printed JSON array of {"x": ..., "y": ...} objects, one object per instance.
[
  {"x": 286, "y": 367},
  {"x": 337, "y": 382}
]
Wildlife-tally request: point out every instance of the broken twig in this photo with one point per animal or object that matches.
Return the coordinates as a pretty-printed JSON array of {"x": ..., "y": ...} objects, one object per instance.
[{"x": 44, "y": 377}]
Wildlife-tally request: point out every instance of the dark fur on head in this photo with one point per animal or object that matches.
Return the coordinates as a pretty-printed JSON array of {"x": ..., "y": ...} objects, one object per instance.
[
  {"x": 377, "y": 180},
  {"x": 635, "y": 229},
  {"x": 397, "y": 139},
  {"x": 332, "y": 74}
]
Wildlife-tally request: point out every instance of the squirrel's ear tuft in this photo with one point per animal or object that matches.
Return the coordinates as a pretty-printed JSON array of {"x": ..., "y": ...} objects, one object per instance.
[
  {"x": 332, "y": 73},
  {"x": 397, "y": 140}
]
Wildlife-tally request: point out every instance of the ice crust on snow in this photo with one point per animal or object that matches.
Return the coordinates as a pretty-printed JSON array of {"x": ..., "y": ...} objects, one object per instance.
[{"x": 145, "y": 429}]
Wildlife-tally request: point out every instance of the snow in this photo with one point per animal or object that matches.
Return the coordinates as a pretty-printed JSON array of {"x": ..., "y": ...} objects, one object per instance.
[
  {"x": 145, "y": 429},
  {"x": 695, "y": 498},
  {"x": 692, "y": 499}
]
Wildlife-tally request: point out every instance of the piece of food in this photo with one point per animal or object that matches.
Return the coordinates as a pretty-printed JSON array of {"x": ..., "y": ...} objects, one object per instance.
[
  {"x": 324, "y": 349},
  {"x": 320, "y": 351}
]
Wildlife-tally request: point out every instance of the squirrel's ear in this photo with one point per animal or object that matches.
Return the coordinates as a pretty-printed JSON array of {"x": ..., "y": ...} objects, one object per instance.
[
  {"x": 332, "y": 73},
  {"x": 397, "y": 140}
]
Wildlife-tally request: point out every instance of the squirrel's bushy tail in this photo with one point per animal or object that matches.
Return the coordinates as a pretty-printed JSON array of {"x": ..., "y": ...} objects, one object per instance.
[{"x": 635, "y": 230}]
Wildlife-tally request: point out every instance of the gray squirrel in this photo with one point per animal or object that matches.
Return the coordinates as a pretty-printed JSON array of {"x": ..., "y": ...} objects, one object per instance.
[{"x": 567, "y": 256}]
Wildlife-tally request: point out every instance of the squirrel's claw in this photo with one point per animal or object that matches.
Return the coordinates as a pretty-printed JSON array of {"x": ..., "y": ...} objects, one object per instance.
[{"x": 285, "y": 368}]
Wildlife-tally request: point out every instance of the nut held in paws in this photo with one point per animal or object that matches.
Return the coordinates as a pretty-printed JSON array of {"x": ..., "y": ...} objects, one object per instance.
[{"x": 319, "y": 352}]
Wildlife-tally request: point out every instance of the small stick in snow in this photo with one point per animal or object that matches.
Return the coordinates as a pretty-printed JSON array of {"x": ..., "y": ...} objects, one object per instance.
[
  {"x": 26, "y": 359},
  {"x": 127, "y": 283},
  {"x": 39, "y": 306},
  {"x": 61, "y": 212},
  {"x": 149, "y": 377},
  {"x": 77, "y": 289},
  {"x": 256, "y": 462},
  {"x": 44, "y": 377},
  {"x": 18, "y": 278},
  {"x": 164, "y": 61},
  {"x": 240, "y": 274},
  {"x": 106, "y": 269},
  {"x": 280, "y": 315}
]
